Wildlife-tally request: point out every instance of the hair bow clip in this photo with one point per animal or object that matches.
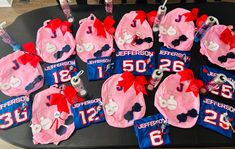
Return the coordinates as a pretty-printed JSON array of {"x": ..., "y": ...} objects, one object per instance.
[
  {"x": 129, "y": 115},
  {"x": 60, "y": 54},
  {"x": 228, "y": 37},
  {"x": 183, "y": 116},
  {"x": 224, "y": 58},
  {"x": 176, "y": 42},
  {"x": 31, "y": 85},
  {"x": 139, "y": 41},
  {"x": 105, "y": 48}
]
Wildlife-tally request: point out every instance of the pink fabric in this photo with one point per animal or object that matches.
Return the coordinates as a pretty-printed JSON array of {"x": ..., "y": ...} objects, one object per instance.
[
  {"x": 185, "y": 101},
  {"x": 176, "y": 29},
  {"x": 40, "y": 109},
  {"x": 45, "y": 44},
  {"x": 18, "y": 78},
  {"x": 213, "y": 36},
  {"x": 125, "y": 101},
  {"x": 144, "y": 30},
  {"x": 85, "y": 37}
]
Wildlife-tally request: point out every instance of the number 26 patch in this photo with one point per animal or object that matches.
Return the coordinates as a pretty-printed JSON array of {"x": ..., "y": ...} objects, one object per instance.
[
  {"x": 217, "y": 116},
  {"x": 60, "y": 72},
  {"x": 141, "y": 62},
  {"x": 172, "y": 60}
]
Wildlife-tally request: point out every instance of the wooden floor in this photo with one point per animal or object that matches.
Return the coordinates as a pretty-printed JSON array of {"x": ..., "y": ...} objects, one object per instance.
[{"x": 18, "y": 8}]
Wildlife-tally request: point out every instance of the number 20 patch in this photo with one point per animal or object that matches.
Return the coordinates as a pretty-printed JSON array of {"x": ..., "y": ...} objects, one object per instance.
[
  {"x": 216, "y": 116},
  {"x": 172, "y": 60},
  {"x": 141, "y": 62},
  {"x": 60, "y": 72}
]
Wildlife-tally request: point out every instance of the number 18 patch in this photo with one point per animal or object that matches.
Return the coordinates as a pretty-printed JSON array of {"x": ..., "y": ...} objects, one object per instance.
[
  {"x": 151, "y": 132},
  {"x": 172, "y": 60},
  {"x": 141, "y": 62},
  {"x": 15, "y": 111},
  {"x": 226, "y": 89},
  {"x": 60, "y": 72},
  {"x": 217, "y": 116}
]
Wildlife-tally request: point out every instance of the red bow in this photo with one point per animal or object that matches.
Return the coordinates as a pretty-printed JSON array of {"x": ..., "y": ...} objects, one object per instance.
[
  {"x": 141, "y": 15},
  {"x": 228, "y": 38},
  {"x": 129, "y": 79},
  {"x": 193, "y": 15},
  {"x": 71, "y": 95},
  {"x": 30, "y": 56},
  {"x": 56, "y": 23},
  {"x": 194, "y": 84},
  {"x": 106, "y": 26},
  {"x": 60, "y": 100}
]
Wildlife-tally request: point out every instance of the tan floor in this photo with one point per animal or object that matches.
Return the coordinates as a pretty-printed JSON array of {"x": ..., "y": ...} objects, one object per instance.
[{"x": 9, "y": 15}]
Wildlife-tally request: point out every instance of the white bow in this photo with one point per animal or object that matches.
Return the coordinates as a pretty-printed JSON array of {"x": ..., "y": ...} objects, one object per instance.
[
  {"x": 171, "y": 103},
  {"x": 45, "y": 124},
  {"x": 84, "y": 47},
  {"x": 111, "y": 107},
  {"x": 171, "y": 31},
  {"x": 212, "y": 46},
  {"x": 127, "y": 39},
  {"x": 13, "y": 83}
]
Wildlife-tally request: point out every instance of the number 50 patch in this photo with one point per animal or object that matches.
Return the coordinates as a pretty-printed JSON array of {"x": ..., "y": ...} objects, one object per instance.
[
  {"x": 172, "y": 60},
  {"x": 140, "y": 62}
]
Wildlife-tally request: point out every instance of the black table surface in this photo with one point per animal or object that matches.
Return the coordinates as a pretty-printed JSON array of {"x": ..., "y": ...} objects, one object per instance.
[{"x": 24, "y": 29}]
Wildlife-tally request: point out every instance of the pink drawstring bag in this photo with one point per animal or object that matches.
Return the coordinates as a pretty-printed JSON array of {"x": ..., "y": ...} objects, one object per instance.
[
  {"x": 21, "y": 72},
  {"x": 52, "y": 120},
  {"x": 177, "y": 99},
  {"x": 176, "y": 31},
  {"x": 54, "y": 42},
  {"x": 123, "y": 100},
  {"x": 134, "y": 32},
  {"x": 218, "y": 45},
  {"x": 94, "y": 38}
]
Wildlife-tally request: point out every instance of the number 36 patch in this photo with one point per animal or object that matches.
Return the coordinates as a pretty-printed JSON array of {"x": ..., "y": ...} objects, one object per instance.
[
  {"x": 15, "y": 111},
  {"x": 60, "y": 72},
  {"x": 172, "y": 60},
  {"x": 141, "y": 62},
  {"x": 216, "y": 116}
]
